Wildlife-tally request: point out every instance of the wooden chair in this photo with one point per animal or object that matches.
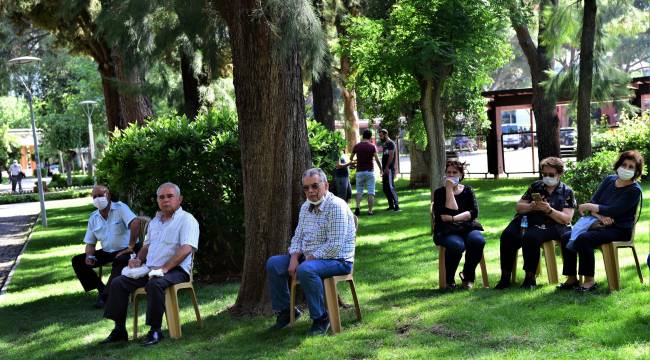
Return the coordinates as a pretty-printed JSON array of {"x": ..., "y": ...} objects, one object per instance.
[
  {"x": 548, "y": 248},
  {"x": 172, "y": 310},
  {"x": 442, "y": 270},
  {"x": 144, "y": 225},
  {"x": 610, "y": 257},
  {"x": 331, "y": 296}
]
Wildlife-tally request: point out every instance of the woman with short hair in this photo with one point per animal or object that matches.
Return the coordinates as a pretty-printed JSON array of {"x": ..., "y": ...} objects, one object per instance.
[
  {"x": 455, "y": 210},
  {"x": 614, "y": 205},
  {"x": 548, "y": 206}
]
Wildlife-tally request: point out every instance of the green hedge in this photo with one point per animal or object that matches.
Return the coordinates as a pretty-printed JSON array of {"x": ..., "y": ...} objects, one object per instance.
[
  {"x": 633, "y": 133},
  {"x": 60, "y": 181},
  {"x": 60, "y": 195},
  {"x": 326, "y": 146},
  {"x": 203, "y": 158}
]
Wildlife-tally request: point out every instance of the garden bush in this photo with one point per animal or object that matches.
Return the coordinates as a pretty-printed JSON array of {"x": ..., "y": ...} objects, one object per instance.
[
  {"x": 326, "y": 146},
  {"x": 633, "y": 133},
  {"x": 60, "y": 181},
  {"x": 585, "y": 176},
  {"x": 33, "y": 197},
  {"x": 203, "y": 158}
]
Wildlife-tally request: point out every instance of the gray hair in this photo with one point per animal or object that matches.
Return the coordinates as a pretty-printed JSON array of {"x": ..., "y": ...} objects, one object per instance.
[
  {"x": 315, "y": 171},
  {"x": 177, "y": 190}
]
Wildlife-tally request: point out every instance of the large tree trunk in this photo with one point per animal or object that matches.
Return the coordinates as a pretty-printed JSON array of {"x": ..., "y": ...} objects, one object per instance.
[
  {"x": 274, "y": 147},
  {"x": 544, "y": 105},
  {"x": 420, "y": 169},
  {"x": 431, "y": 103},
  {"x": 586, "y": 75},
  {"x": 323, "y": 93},
  {"x": 134, "y": 104},
  {"x": 191, "y": 95}
]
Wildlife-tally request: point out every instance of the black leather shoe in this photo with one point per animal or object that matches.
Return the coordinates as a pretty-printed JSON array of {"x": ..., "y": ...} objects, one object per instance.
[
  {"x": 283, "y": 319},
  {"x": 116, "y": 336},
  {"x": 503, "y": 284},
  {"x": 529, "y": 283},
  {"x": 153, "y": 338},
  {"x": 582, "y": 289},
  {"x": 568, "y": 286},
  {"x": 320, "y": 326}
]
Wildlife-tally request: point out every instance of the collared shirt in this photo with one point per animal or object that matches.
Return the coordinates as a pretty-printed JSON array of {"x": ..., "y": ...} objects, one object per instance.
[
  {"x": 113, "y": 232},
  {"x": 14, "y": 169},
  {"x": 562, "y": 197},
  {"x": 165, "y": 238},
  {"x": 326, "y": 234}
]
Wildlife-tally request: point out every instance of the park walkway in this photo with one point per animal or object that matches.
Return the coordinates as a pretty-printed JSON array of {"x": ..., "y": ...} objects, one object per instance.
[{"x": 16, "y": 221}]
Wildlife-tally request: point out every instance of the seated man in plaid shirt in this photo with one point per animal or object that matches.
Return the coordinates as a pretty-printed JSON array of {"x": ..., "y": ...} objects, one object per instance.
[{"x": 322, "y": 246}]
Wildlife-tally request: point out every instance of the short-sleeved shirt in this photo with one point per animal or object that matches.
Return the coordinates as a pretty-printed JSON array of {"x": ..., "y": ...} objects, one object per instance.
[
  {"x": 165, "y": 238},
  {"x": 389, "y": 145},
  {"x": 365, "y": 152},
  {"x": 14, "y": 169},
  {"x": 561, "y": 198},
  {"x": 113, "y": 232}
]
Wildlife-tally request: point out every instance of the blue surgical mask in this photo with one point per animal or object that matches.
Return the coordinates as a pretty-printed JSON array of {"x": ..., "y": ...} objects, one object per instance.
[{"x": 625, "y": 174}]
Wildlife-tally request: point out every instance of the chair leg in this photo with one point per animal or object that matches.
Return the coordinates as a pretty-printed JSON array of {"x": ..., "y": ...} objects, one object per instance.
[
  {"x": 442, "y": 272},
  {"x": 638, "y": 267},
  {"x": 292, "y": 302},
  {"x": 551, "y": 263},
  {"x": 609, "y": 257},
  {"x": 513, "y": 277},
  {"x": 172, "y": 313},
  {"x": 332, "y": 304},
  {"x": 484, "y": 273},
  {"x": 357, "y": 308},
  {"x": 136, "y": 300},
  {"x": 196, "y": 307}
]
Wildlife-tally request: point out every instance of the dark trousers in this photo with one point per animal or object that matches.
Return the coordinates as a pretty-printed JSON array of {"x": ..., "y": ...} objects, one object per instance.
[
  {"x": 585, "y": 244},
  {"x": 87, "y": 276},
  {"x": 389, "y": 188},
  {"x": 473, "y": 243},
  {"x": 122, "y": 286},
  {"x": 530, "y": 242},
  {"x": 16, "y": 180}
]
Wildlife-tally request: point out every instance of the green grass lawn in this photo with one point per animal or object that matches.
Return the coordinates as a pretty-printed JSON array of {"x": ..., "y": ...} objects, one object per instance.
[{"x": 46, "y": 315}]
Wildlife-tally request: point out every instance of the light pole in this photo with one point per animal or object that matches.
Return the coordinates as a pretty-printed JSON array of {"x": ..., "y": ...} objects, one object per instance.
[
  {"x": 89, "y": 106},
  {"x": 22, "y": 61}
]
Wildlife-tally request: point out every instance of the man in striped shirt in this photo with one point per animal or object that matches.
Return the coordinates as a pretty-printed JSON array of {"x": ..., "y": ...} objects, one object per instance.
[
  {"x": 172, "y": 238},
  {"x": 322, "y": 246}
]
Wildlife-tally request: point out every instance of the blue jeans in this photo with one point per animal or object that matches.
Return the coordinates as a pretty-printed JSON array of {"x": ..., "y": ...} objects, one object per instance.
[
  {"x": 455, "y": 244},
  {"x": 310, "y": 273}
]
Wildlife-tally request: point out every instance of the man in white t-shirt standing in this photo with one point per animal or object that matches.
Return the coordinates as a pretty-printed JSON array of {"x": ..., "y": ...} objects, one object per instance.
[
  {"x": 172, "y": 238},
  {"x": 15, "y": 171}
]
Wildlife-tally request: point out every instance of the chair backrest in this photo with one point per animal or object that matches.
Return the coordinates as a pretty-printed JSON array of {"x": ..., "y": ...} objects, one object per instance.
[
  {"x": 356, "y": 223},
  {"x": 144, "y": 226},
  {"x": 432, "y": 216}
]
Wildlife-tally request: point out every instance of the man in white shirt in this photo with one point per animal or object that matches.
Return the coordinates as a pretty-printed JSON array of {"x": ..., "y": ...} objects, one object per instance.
[
  {"x": 116, "y": 228},
  {"x": 15, "y": 171},
  {"x": 172, "y": 238}
]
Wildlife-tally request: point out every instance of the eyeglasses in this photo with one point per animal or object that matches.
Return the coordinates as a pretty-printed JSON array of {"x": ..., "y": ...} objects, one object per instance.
[
  {"x": 314, "y": 186},
  {"x": 163, "y": 196},
  {"x": 548, "y": 175}
]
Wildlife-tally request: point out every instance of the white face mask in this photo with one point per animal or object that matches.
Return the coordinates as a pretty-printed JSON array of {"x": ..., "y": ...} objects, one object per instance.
[
  {"x": 100, "y": 202},
  {"x": 625, "y": 174},
  {"x": 550, "y": 181},
  {"x": 454, "y": 179},
  {"x": 315, "y": 203}
]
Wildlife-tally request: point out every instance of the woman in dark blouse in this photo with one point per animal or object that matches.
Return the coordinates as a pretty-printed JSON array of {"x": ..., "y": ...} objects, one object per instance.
[
  {"x": 548, "y": 205},
  {"x": 614, "y": 204},
  {"x": 455, "y": 210}
]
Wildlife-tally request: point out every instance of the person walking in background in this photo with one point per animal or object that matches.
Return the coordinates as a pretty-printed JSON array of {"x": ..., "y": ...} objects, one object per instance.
[
  {"x": 342, "y": 187},
  {"x": 365, "y": 152},
  {"x": 388, "y": 170},
  {"x": 15, "y": 171}
]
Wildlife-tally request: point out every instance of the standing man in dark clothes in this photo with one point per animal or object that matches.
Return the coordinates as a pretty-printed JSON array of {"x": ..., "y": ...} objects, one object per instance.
[
  {"x": 388, "y": 170},
  {"x": 365, "y": 151}
]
